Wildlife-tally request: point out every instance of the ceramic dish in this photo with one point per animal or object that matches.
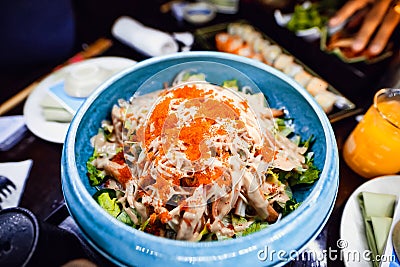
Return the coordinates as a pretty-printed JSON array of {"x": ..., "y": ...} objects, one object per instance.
[
  {"x": 199, "y": 13},
  {"x": 341, "y": 53},
  {"x": 310, "y": 34},
  {"x": 352, "y": 231},
  {"x": 56, "y": 131},
  {"x": 127, "y": 246}
]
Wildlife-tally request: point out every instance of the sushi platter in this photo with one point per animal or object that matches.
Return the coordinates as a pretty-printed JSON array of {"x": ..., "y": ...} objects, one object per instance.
[{"x": 243, "y": 39}]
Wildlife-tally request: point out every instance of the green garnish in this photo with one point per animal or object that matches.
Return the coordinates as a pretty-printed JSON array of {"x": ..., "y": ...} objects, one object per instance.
[
  {"x": 232, "y": 84},
  {"x": 290, "y": 206},
  {"x": 108, "y": 201},
  {"x": 306, "y": 17},
  {"x": 124, "y": 217},
  {"x": 254, "y": 227},
  {"x": 96, "y": 176}
]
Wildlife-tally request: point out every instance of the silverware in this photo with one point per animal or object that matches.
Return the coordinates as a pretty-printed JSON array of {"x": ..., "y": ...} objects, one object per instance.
[
  {"x": 396, "y": 239},
  {"x": 5, "y": 185}
]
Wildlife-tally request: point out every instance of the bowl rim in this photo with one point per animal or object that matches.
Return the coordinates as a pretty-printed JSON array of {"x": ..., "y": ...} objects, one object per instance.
[{"x": 284, "y": 226}]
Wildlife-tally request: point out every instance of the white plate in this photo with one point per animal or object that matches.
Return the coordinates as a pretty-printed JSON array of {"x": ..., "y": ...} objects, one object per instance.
[
  {"x": 56, "y": 131},
  {"x": 352, "y": 232}
]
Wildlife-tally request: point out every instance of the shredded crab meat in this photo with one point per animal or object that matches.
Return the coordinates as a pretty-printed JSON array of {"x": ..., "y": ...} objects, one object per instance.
[{"x": 195, "y": 154}]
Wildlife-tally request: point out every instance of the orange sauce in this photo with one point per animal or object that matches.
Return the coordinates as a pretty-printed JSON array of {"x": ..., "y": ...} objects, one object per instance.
[{"x": 373, "y": 148}]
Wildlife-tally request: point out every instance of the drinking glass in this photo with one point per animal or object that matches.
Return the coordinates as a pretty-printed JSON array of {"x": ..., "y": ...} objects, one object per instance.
[{"x": 373, "y": 147}]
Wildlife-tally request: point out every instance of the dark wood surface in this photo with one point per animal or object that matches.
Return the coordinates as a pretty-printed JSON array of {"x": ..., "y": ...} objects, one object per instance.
[{"x": 43, "y": 192}]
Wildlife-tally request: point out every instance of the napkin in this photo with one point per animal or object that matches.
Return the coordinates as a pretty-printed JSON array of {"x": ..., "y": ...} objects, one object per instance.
[
  {"x": 390, "y": 254},
  {"x": 377, "y": 210},
  {"x": 17, "y": 172},
  {"x": 12, "y": 129},
  {"x": 147, "y": 40},
  {"x": 52, "y": 110}
]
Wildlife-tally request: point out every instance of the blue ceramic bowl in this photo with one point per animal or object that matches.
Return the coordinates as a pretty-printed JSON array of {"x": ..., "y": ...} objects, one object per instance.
[{"x": 272, "y": 246}]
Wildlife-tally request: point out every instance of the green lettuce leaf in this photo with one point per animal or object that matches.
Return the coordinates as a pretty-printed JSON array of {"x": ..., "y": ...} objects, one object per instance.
[
  {"x": 202, "y": 234},
  {"x": 307, "y": 143},
  {"x": 124, "y": 217},
  {"x": 107, "y": 131},
  {"x": 307, "y": 177},
  {"x": 294, "y": 177},
  {"x": 283, "y": 127},
  {"x": 108, "y": 201},
  {"x": 290, "y": 206},
  {"x": 96, "y": 176},
  {"x": 254, "y": 227},
  {"x": 232, "y": 84}
]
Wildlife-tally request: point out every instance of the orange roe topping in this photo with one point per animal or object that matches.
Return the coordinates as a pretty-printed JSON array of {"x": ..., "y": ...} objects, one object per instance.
[
  {"x": 165, "y": 217},
  {"x": 124, "y": 172},
  {"x": 194, "y": 135},
  {"x": 245, "y": 105},
  {"x": 221, "y": 131},
  {"x": 157, "y": 117},
  {"x": 160, "y": 116},
  {"x": 119, "y": 158},
  {"x": 153, "y": 218},
  {"x": 207, "y": 176},
  {"x": 125, "y": 175},
  {"x": 188, "y": 92}
]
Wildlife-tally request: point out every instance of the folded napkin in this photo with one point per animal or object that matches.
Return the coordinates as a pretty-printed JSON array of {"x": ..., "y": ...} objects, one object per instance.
[
  {"x": 52, "y": 110},
  {"x": 12, "y": 129},
  {"x": 147, "y": 40},
  {"x": 377, "y": 210},
  {"x": 17, "y": 172}
]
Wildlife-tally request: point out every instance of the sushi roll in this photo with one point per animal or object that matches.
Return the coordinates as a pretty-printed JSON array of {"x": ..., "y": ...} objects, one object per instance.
[
  {"x": 245, "y": 30},
  {"x": 245, "y": 51},
  {"x": 259, "y": 44},
  {"x": 292, "y": 69},
  {"x": 270, "y": 53},
  {"x": 234, "y": 28},
  {"x": 234, "y": 44},
  {"x": 316, "y": 86},
  {"x": 303, "y": 78},
  {"x": 282, "y": 61},
  {"x": 326, "y": 100},
  {"x": 251, "y": 36},
  {"x": 221, "y": 39},
  {"x": 257, "y": 56},
  {"x": 228, "y": 43}
]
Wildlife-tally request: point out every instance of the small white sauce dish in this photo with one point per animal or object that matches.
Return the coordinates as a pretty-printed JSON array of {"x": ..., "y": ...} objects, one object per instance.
[
  {"x": 81, "y": 80},
  {"x": 199, "y": 13}
]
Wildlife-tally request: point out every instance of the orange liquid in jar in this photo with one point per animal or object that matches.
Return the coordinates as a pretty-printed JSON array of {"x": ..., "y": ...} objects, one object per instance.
[{"x": 373, "y": 148}]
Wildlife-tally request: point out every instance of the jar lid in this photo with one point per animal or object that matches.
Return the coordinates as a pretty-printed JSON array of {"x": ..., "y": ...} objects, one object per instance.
[{"x": 18, "y": 236}]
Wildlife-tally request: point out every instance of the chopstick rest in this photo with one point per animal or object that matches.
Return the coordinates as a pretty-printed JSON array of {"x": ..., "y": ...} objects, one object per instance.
[{"x": 146, "y": 40}]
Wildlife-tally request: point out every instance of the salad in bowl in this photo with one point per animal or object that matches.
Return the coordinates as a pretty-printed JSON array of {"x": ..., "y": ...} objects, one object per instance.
[
  {"x": 194, "y": 161},
  {"x": 200, "y": 158}
]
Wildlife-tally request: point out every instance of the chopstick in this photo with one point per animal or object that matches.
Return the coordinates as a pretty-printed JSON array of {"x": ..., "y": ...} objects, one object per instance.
[{"x": 92, "y": 50}]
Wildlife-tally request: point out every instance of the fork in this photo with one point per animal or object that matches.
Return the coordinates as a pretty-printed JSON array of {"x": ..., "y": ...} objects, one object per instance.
[{"x": 5, "y": 183}]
